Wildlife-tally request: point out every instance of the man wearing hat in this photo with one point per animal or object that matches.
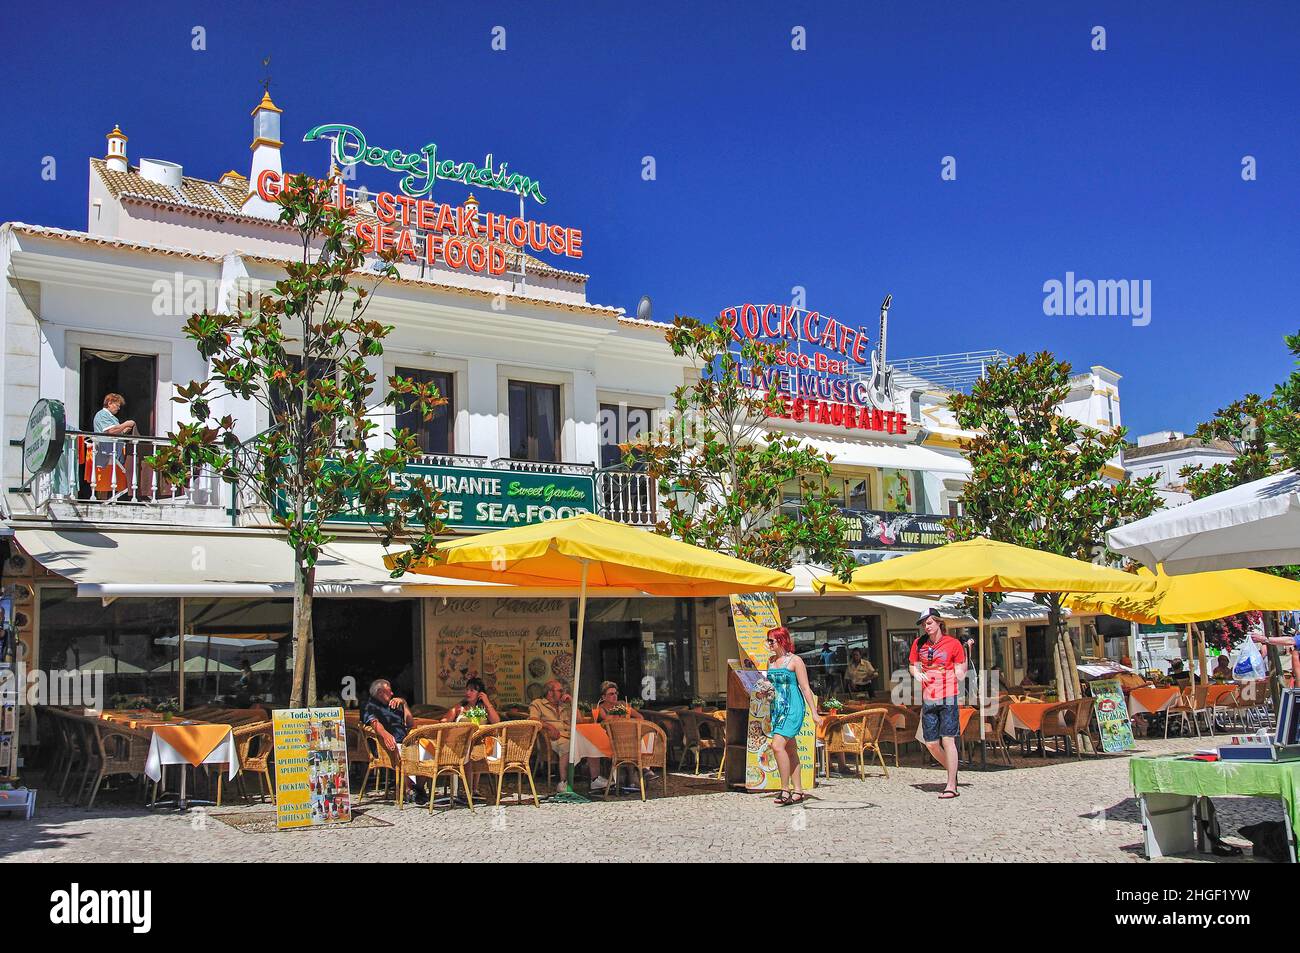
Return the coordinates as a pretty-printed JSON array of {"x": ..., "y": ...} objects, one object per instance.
[{"x": 938, "y": 662}]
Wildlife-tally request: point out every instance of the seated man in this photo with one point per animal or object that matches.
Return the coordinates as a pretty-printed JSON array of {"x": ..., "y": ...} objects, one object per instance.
[
  {"x": 554, "y": 710},
  {"x": 389, "y": 715}
]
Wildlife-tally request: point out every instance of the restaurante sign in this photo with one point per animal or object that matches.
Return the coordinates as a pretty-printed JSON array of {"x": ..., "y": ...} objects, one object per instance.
[
  {"x": 422, "y": 168},
  {"x": 483, "y": 499}
]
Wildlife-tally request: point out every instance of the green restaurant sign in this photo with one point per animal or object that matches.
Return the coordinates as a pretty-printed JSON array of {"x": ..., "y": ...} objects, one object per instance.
[{"x": 485, "y": 499}]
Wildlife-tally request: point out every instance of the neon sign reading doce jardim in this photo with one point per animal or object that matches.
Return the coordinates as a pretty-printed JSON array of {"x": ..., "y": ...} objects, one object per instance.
[{"x": 423, "y": 168}]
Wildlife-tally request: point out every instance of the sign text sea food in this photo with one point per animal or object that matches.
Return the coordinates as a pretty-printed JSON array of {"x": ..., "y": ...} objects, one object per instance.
[
  {"x": 422, "y": 168},
  {"x": 479, "y": 499},
  {"x": 462, "y": 237}
]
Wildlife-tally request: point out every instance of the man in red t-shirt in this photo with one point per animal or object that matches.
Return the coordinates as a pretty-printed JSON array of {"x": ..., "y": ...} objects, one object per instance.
[{"x": 938, "y": 662}]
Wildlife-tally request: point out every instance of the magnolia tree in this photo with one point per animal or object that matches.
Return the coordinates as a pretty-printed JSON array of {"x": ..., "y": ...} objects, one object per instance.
[
  {"x": 1038, "y": 477},
  {"x": 301, "y": 354},
  {"x": 722, "y": 470}
]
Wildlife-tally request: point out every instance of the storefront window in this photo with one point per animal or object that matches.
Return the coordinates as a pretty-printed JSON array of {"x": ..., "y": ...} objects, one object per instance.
[
  {"x": 534, "y": 421},
  {"x": 131, "y": 641},
  {"x": 791, "y": 498},
  {"x": 897, "y": 487},
  {"x": 437, "y": 434},
  {"x": 244, "y": 649},
  {"x": 619, "y": 424},
  {"x": 827, "y": 643},
  {"x": 644, "y": 645}
]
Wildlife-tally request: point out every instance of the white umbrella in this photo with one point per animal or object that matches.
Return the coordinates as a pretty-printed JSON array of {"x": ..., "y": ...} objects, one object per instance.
[
  {"x": 110, "y": 666},
  {"x": 1250, "y": 526}
]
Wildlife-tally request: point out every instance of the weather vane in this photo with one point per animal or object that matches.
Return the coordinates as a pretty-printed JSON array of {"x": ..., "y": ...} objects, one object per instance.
[{"x": 266, "y": 83}]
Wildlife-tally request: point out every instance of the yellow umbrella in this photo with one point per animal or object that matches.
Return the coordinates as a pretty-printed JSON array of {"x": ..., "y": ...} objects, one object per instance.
[
  {"x": 1196, "y": 597},
  {"x": 985, "y": 566},
  {"x": 597, "y": 555}
]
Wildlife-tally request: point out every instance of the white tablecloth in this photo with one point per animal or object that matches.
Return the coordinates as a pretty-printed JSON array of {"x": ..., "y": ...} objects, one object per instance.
[{"x": 161, "y": 753}]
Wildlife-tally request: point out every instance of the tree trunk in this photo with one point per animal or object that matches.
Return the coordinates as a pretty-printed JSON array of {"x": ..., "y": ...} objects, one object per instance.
[{"x": 303, "y": 693}]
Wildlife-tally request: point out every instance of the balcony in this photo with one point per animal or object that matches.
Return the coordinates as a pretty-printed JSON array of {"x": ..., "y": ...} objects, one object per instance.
[{"x": 108, "y": 479}]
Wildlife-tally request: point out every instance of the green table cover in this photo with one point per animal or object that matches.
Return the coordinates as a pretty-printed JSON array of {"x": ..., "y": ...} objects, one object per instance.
[{"x": 1219, "y": 778}]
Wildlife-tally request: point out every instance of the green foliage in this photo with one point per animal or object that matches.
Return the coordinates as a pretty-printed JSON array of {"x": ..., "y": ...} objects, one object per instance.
[
  {"x": 1037, "y": 475},
  {"x": 301, "y": 355},
  {"x": 722, "y": 470},
  {"x": 1266, "y": 433}
]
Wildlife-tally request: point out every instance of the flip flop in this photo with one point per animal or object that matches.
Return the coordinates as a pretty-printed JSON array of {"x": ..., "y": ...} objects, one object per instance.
[
  {"x": 782, "y": 799},
  {"x": 797, "y": 798},
  {"x": 948, "y": 795}
]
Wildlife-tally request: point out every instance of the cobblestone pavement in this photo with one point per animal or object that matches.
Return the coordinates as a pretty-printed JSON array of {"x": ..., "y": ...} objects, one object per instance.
[{"x": 1057, "y": 810}]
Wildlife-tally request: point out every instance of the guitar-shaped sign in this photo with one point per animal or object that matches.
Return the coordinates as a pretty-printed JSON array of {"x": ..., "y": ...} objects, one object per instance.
[{"x": 881, "y": 385}]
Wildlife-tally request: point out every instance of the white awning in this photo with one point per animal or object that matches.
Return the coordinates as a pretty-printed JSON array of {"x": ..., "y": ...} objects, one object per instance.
[
  {"x": 158, "y": 563},
  {"x": 897, "y": 456}
]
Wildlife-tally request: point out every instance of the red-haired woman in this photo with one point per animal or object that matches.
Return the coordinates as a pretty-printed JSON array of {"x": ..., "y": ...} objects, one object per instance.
[{"x": 791, "y": 697}]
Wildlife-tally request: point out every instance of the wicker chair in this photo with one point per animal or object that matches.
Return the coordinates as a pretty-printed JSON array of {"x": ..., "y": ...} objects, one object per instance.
[
  {"x": 855, "y": 734},
  {"x": 627, "y": 737},
  {"x": 672, "y": 727},
  {"x": 900, "y": 726},
  {"x": 995, "y": 731},
  {"x": 379, "y": 760},
  {"x": 506, "y": 748},
  {"x": 1062, "y": 721},
  {"x": 84, "y": 758},
  {"x": 452, "y": 743},
  {"x": 255, "y": 745},
  {"x": 118, "y": 752},
  {"x": 701, "y": 734}
]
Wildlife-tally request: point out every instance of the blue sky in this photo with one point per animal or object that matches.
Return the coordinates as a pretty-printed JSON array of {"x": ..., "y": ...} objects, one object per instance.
[{"x": 775, "y": 168}]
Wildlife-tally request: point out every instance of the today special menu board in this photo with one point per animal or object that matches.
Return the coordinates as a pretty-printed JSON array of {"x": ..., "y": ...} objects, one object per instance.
[
  {"x": 311, "y": 768},
  {"x": 514, "y": 645}
]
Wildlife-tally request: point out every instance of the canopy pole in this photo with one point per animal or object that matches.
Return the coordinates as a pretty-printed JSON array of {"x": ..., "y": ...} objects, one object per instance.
[
  {"x": 180, "y": 667},
  {"x": 979, "y": 676},
  {"x": 577, "y": 677}
]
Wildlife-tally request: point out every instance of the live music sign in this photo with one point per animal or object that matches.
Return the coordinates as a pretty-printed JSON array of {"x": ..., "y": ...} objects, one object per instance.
[{"x": 816, "y": 387}]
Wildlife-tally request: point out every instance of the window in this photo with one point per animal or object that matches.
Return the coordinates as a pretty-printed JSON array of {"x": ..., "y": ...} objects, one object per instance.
[
  {"x": 534, "y": 421},
  {"x": 319, "y": 369},
  {"x": 620, "y": 423},
  {"x": 859, "y": 493},
  {"x": 437, "y": 434}
]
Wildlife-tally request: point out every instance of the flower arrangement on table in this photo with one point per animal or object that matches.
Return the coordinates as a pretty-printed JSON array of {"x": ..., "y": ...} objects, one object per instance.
[
  {"x": 478, "y": 715},
  {"x": 833, "y": 705},
  {"x": 168, "y": 707},
  {"x": 638, "y": 703}
]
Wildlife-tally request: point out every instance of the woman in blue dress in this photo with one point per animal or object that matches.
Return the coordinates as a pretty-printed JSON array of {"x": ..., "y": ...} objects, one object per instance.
[{"x": 791, "y": 697}]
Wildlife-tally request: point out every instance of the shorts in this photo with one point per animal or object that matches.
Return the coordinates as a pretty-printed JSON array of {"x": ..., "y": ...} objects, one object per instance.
[{"x": 939, "y": 719}]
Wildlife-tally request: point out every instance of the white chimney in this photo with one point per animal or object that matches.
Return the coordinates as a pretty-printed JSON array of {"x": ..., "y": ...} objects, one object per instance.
[
  {"x": 266, "y": 155},
  {"x": 116, "y": 158},
  {"x": 161, "y": 171}
]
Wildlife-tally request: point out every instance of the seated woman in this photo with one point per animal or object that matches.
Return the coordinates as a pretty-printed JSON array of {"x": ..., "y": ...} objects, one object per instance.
[
  {"x": 609, "y": 707},
  {"x": 475, "y": 697}
]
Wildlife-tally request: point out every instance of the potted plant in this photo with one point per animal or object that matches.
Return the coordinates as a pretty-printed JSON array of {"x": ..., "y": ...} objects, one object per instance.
[
  {"x": 477, "y": 714},
  {"x": 167, "y": 708},
  {"x": 697, "y": 704},
  {"x": 834, "y": 706}
]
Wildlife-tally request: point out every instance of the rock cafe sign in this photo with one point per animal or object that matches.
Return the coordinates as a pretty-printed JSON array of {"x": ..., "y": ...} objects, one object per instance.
[
  {"x": 429, "y": 232},
  {"x": 818, "y": 386}
]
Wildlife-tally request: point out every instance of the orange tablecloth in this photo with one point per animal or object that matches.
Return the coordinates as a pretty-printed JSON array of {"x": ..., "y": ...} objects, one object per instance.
[
  {"x": 191, "y": 744},
  {"x": 595, "y": 738},
  {"x": 1026, "y": 715},
  {"x": 1151, "y": 700},
  {"x": 134, "y": 719}
]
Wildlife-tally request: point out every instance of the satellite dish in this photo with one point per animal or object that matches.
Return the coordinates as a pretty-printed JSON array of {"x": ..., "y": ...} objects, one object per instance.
[{"x": 643, "y": 308}]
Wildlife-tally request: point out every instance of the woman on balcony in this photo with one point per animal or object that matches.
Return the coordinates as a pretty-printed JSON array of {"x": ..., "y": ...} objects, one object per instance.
[{"x": 108, "y": 476}]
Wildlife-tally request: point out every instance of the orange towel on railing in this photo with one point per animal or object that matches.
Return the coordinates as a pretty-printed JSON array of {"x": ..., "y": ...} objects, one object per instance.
[{"x": 105, "y": 479}]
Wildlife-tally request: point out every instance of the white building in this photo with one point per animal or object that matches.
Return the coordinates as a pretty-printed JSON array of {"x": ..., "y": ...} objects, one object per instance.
[
  {"x": 1166, "y": 453},
  {"x": 540, "y": 381}
]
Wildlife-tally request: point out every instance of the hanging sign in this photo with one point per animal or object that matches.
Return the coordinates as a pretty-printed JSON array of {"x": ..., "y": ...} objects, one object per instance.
[{"x": 43, "y": 439}]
